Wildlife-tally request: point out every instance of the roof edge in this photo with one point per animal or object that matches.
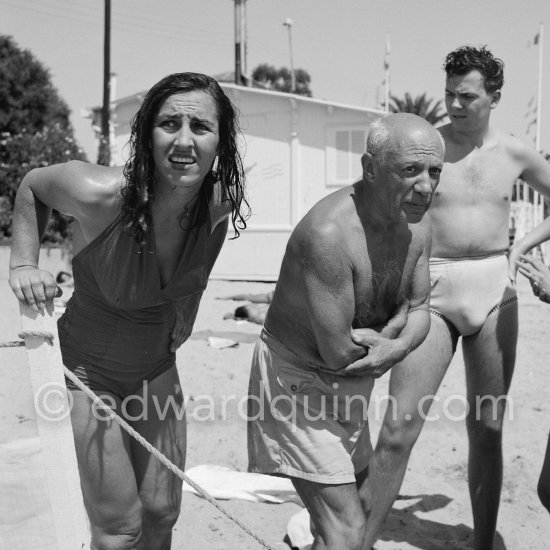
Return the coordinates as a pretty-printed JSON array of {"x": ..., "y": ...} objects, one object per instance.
[{"x": 295, "y": 97}]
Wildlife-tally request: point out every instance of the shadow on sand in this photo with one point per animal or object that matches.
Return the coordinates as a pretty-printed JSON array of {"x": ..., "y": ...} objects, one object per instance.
[{"x": 403, "y": 525}]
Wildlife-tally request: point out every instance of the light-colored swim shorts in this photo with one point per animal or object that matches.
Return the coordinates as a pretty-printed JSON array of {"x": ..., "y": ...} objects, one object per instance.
[{"x": 305, "y": 423}]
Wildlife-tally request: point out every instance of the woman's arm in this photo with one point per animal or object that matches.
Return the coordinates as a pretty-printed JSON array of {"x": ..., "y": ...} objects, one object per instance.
[{"x": 76, "y": 189}]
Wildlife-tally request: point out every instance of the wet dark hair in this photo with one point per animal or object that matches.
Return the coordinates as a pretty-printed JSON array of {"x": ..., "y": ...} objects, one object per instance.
[
  {"x": 139, "y": 171},
  {"x": 467, "y": 58}
]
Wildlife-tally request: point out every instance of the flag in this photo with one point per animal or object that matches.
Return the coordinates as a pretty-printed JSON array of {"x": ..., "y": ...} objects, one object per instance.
[
  {"x": 531, "y": 123},
  {"x": 387, "y": 53},
  {"x": 531, "y": 114},
  {"x": 535, "y": 40}
]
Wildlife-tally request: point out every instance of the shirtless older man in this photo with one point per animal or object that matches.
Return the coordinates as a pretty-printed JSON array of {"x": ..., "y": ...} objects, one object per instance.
[
  {"x": 472, "y": 296},
  {"x": 356, "y": 258}
]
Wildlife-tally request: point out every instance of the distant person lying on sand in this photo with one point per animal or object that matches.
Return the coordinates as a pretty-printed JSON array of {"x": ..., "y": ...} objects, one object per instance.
[
  {"x": 261, "y": 298},
  {"x": 254, "y": 312},
  {"x": 64, "y": 278}
]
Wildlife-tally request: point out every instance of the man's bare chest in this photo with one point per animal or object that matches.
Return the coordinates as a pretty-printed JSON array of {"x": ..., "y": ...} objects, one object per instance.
[{"x": 381, "y": 282}]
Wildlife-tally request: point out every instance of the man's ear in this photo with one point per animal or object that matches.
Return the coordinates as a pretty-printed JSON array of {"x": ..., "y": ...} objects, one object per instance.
[
  {"x": 495, "y": 98},
  {"x": 367, "y": 161}
]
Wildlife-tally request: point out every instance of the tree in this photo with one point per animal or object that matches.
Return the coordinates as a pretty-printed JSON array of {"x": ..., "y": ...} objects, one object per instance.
[
  {"x": 34, "y": 130},
  {"x": 270, "y": 78},
  {"x": 420, "y": 105}
]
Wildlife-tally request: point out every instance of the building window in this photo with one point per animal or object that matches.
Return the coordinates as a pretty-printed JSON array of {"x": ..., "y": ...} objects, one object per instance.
[{"x": 345, "y": 149}]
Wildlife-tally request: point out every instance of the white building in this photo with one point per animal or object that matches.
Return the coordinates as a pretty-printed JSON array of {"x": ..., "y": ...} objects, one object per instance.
[{"x": 295, "y": 151}]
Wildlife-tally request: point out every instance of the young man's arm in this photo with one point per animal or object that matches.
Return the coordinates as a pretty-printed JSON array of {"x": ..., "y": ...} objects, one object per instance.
[
  {"x": 536, "y": 236},
  {"x": 536, "y": 173}
]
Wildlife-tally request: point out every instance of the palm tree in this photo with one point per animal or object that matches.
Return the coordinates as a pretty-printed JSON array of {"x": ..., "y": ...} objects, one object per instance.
[{"x": 420, "y": 105}]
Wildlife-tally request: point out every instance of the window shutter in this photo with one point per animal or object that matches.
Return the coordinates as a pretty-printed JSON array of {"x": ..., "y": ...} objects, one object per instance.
[{"x": 349, "y": 146}]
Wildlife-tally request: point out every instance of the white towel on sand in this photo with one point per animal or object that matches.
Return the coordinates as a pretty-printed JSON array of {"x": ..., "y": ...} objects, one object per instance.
[{"x": 224, "y": 483}]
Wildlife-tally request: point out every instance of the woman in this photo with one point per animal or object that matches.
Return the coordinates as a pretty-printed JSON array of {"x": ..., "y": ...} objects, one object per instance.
[
  {"x": 146, "y": 236},
  {"x": 539, "y": 277}
]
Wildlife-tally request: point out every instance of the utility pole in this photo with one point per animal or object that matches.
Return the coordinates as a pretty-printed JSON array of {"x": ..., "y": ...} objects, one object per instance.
[
  {"x": 104, "y": 155},
  {"x": 244, "y": 34},
  {"x": 288, "y": 24},
  {"x": 238, "y": 42}
]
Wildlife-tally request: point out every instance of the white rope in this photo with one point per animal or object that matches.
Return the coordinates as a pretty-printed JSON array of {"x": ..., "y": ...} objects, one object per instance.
[{"x": 31, "y": 334}]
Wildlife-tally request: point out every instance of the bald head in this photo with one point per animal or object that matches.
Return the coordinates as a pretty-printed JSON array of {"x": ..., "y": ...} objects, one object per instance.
[
  {"x": 402, "y": 166},
  {"x": 391, "y": 132}
]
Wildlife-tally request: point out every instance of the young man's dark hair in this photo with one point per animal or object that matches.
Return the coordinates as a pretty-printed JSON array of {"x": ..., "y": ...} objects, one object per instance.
[{"x": 467, "y": 58}]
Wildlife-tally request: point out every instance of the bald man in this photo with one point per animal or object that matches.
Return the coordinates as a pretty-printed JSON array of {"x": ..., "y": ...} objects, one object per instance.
[{"x": 351, "y": 301}]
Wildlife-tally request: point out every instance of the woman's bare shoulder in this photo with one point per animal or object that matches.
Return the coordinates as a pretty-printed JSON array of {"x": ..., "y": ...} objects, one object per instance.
[
  {"x": 101, "y": 178},
  {"x": 82, "y": 189}
]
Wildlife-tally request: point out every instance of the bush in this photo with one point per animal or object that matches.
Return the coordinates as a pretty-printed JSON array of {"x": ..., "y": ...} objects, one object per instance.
[
  {"x": 21, "y": 153},
  {"x": 34, "y": 131}
]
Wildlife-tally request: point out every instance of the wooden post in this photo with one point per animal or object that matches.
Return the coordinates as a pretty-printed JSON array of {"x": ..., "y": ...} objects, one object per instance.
[
  {"x": 238, "y": 43},
  {"x": 52, "y": 406},
  {"x": 104, "y": 156}
]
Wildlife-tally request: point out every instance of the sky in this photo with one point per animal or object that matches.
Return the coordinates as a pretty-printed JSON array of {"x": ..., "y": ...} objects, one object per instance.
[{"x": 341, "y": 43}]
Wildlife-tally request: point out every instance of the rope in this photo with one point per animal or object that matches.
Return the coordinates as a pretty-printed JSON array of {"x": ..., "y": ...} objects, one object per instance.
[
  {"x": 124, "y": 425},
  {"x": 48, "y": 336},
  {"x": 12, "y": 344}
]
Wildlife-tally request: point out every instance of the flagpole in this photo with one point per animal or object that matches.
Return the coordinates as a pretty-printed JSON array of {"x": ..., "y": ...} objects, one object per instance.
[
  {"x": 539, "y": 90},
  {"x": 387, "y": 74}
]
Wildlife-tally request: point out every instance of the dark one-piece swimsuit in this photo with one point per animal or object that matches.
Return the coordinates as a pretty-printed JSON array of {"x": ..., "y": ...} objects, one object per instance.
[{"x": 116, "y": 330}]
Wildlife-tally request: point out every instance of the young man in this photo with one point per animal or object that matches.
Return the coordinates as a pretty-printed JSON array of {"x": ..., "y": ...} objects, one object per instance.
[
  {"x": 472, "y": 295},
  {"x": 359, "y": 256}
]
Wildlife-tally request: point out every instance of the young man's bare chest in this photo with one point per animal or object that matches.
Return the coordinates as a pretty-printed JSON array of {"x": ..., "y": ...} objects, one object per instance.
[{"x": 481, "y": 176}]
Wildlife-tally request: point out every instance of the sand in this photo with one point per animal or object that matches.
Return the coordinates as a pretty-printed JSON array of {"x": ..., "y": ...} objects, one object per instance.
[{"x": 434, "y": 511}]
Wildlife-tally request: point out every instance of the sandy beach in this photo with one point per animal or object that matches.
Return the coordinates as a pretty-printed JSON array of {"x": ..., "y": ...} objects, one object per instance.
[{"x": 433, "y": 511}]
